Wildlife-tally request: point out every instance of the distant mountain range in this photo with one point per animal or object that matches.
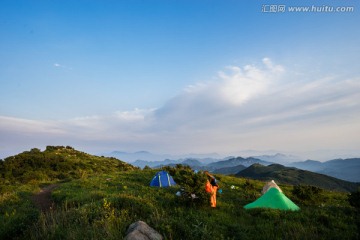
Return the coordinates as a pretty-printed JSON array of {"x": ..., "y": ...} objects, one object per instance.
[
  {"x": 294, "y": 176},
  {"x": 261, "y": 170},
  {"x": 232, "y": 162},
  {"x": 65, "y": 160},
  {"x": 279, "y": 158},
  {"x": 140, "y": 155},
  {"x": 132, "y": 157},
  {"x": 345, "y": 169},
  {"x": 202, "y": 164}
]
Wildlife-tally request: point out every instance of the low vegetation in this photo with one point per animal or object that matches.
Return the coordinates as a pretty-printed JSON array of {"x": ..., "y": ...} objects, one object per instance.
[{"x": 102, "y": 203}]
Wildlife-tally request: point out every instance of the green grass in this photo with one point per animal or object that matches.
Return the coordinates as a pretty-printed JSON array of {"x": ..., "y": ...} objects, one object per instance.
[
  {"x": 103, "y": 206},
  {"x": 17, "y": 212},
  {"x": 98, "y": 198}
]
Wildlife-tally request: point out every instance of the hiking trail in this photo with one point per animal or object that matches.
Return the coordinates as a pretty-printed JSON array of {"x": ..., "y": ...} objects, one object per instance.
[{"x": 42, "y": 199}]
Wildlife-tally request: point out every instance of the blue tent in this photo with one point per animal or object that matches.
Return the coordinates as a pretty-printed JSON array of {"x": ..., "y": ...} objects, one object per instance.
[{"x": 162, "y": 179}]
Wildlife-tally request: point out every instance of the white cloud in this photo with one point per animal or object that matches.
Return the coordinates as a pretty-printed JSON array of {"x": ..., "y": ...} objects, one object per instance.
[
  {"x": 12, "y": 124},
  {"x": 133, "y": 115},
  {"x": 58, "y": 65},
  {"x": 228, "y": 94},
  {"x": 247, "y": 107},
  {"x": 238, "y": 85},
  {"x": 261, "y": 108}
]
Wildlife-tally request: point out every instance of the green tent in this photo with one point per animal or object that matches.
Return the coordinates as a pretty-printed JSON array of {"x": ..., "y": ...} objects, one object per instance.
[{"x": 275, "y": 199}]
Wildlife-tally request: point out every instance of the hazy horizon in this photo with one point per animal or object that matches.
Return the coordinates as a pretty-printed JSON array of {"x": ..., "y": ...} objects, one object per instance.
[{"x": 321, "y": 156}]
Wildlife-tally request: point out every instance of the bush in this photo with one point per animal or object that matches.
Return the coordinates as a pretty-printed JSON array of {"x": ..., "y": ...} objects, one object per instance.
[
  {"x": 307, "y": 194},
  {"x": 354, "y": 199},
  {"x": 249, "y": 190},
  {"x": 192, "y": 185}
]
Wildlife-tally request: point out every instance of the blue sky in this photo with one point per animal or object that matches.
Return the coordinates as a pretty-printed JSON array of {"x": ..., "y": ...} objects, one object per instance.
[{"x": 180, "y": 77}]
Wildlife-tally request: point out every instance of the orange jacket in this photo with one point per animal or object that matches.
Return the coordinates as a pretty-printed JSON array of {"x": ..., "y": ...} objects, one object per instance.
[{"x": 208, "y": 187}]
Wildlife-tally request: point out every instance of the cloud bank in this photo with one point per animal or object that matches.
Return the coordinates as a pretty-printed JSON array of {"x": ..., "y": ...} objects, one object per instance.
[{"x": 260, "y": 107}]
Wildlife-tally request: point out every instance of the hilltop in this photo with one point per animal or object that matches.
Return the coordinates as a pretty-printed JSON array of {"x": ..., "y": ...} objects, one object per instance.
[{"x": 56, "y": 163}]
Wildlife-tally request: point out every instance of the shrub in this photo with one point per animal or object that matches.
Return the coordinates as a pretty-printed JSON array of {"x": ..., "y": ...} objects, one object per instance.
[
  {"x": 192, "y": 185},
  {"x": 249, "y": 190},
  {"x": 147, "y": 167},
  {"x": 354, "y": 199},
  {"x": 307, "y": 194}
]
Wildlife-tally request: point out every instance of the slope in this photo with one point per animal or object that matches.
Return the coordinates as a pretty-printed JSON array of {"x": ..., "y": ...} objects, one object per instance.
[
  {"x": 229, "y": 170},
  {"x": 56, "y": 163},
  {"x": 294, "y": 176}
]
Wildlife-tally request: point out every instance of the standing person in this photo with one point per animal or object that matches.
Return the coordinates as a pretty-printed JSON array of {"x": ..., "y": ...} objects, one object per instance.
[{"x": 211, "y": 187}]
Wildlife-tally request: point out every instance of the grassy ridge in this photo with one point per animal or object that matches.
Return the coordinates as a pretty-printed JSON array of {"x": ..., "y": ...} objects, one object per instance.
[
  {"x": 56, "y": 163},
  {"x": 101, "y": 205},
  {"x": 294, "y": 176}
]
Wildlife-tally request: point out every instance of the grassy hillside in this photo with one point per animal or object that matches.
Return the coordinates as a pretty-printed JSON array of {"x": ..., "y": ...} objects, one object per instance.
[
  {"x": 102, "y": 204},
  {"x": 294, "y": 176},
  {"x": 56, "y": 163}
]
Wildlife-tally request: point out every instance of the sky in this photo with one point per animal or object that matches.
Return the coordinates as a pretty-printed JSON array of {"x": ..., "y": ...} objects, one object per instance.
[{"x": 180, "y": 76}]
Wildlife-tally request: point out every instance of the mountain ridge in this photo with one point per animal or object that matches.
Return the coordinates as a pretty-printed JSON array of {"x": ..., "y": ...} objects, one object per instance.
[
  {"x": 339, "y": 168},
  {"x": 346, "y": 169},
  {"x": 60, "y": 162},
  {"x": 294, "y": 176}
]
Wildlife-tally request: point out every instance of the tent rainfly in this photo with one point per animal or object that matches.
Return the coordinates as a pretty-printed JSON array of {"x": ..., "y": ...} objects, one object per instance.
[
  {"x": 274, "y": 199},
  {"x": 271, "y": 184},
  {"x": 162, "y": 179}
]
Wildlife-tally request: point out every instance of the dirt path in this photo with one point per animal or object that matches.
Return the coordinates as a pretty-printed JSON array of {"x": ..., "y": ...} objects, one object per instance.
[{"x": 42, "y": 199}]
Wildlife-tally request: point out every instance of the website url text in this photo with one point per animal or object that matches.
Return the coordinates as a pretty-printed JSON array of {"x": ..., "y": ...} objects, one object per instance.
[{"x": 273, "y": 8}]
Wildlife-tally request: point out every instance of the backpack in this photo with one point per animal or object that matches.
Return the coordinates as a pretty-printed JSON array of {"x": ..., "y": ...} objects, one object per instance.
[{"x": 214, "y": 182}]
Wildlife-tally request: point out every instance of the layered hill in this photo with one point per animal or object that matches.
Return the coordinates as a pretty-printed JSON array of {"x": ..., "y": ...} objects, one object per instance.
[
  {"x": 294, "y": 176},
  {"x": 346, "y": 169},
  {"x": 232, "y": 162},
  {"x": 56, "y": 163},
  {"x": 230, "y": 165}
]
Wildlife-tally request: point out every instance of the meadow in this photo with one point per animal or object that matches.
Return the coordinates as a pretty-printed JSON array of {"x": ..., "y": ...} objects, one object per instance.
[
  {"x": 91, "y": 197},
  {"x": 102, "y": 206}
]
